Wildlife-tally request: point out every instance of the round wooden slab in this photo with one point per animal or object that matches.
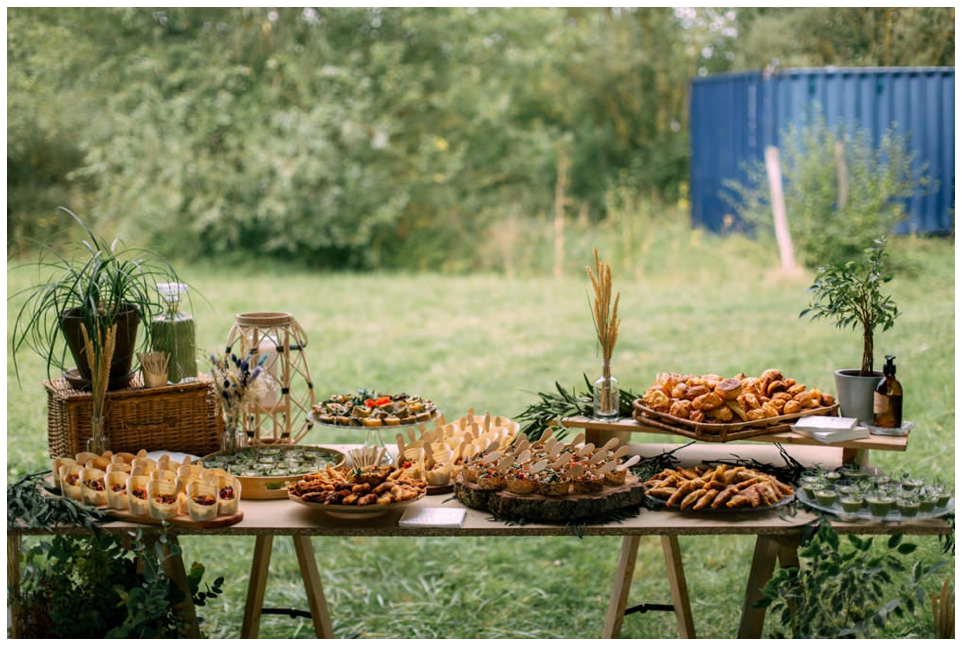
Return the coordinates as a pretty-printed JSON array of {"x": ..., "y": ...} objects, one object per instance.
[{"x": 548, "y": 509}]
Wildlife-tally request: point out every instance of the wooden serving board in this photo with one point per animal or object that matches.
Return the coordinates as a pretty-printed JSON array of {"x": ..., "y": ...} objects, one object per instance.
[
  {"x": 548, "y": 509},
  {"x": 177, "y": 521}
]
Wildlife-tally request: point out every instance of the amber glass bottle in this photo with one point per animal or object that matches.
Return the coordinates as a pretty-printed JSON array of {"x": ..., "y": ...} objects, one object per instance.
[{"x": 888, "y": 397}]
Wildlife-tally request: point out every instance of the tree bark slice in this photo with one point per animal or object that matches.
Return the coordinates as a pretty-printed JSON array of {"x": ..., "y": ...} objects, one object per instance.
[{"x": 546, "y": 509}]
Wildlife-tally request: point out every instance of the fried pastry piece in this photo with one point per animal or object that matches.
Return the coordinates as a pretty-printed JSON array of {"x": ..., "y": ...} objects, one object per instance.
[
  {"x": 662, "y": 493},
  {"x": 692, "y": 498},
  {"x": 706, "y": 499},
  {"x": 683, "y": 490}
]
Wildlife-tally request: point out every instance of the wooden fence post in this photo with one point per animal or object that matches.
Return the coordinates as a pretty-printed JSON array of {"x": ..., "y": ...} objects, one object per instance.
[{"x": 782, "y": 234}]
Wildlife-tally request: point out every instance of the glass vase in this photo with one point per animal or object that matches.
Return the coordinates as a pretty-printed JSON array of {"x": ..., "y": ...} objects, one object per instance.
[
  {"x": 230, "y": 440},
  {"x": 607, "y": 396},
  {"x": 98, "y": 435}
]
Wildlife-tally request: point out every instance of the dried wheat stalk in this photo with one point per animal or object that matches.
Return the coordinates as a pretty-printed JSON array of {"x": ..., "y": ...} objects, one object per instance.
[
  {"x": 99, "y": 370},
  {"x": 605, "y": 315}
]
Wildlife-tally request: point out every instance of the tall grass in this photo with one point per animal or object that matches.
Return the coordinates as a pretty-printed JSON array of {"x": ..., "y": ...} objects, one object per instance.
[{"x": 690, "y": 302}]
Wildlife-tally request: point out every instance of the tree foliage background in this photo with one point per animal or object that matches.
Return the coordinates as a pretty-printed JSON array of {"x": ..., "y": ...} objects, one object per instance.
[{"x": 372, "y": 138}]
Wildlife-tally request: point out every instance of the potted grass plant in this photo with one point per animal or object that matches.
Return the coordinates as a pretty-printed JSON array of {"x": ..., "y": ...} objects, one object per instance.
[
  {"x": 87, "y": 303},
  {"x": 851, "y": 294}
]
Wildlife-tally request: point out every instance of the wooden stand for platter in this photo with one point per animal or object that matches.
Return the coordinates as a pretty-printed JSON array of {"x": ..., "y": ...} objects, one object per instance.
[{"x": 548, "y": 509}]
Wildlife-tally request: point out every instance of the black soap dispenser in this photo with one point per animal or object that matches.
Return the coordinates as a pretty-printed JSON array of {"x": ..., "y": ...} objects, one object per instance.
[{"x": 888, "y": 398}]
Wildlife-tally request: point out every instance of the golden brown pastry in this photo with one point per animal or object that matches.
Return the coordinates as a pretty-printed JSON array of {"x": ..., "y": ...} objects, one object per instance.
[
  {"x": 680, "y": 408},
  {"x": 729, "y": 389},
  {"x": 722, "y": 413},
  {"x": 707, "y": 402},
  {"x": 791, "y": 407}
]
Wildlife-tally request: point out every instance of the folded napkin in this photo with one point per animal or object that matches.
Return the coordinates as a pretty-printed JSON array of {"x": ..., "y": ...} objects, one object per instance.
[{"x": 431, "y": 517}]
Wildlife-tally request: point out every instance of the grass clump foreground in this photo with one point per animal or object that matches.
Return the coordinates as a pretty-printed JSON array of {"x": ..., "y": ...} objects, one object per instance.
[{"x": 491, "y": 343}]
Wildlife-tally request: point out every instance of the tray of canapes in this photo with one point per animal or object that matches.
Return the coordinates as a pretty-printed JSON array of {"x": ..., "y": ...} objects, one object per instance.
[
  {"x": 265, "y": 471},
  {"x": 436, "y": 455},
  {"x": 716, "y": 489},
  {"x": 713, "y": 408},
  {"x": 373, "y": 410},
  {"x": 549, "y": 480},
  {"x": 370, "y": 490},
  {"x": 141, "y": 489},
  {"x": 852, "y": 494}
]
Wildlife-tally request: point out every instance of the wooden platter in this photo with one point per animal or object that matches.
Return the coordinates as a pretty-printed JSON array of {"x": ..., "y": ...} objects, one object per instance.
[
  {"x": 717, "y": 432},
  {"x": 177, "y": 521},
  {"x": 547, "y": 509}
]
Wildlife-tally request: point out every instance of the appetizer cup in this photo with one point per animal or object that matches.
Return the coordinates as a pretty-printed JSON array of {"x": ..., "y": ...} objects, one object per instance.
[
  {"x": 880, "y": 505},
  {"x": 137, "y": 501},
  {"x": 228, "y": 495},
  {"x": 438, "y": 476},
  {"x": 826, "y": 497},
  {"x": 93, "y": 488},
  {"x": 201, "y": 500},
  {"x": 162, "y": 496},
  {"x": 117, "y": 490},
  {"x": 57, "y": 463},
  {"x": 119, "y": 466},
  {"x": 70, "y": 481},
  {"x": 211, "y": 475},
  {"x": 164, "y": 474},
  {"x": 146, "y": 465},
  {"x": 521, "y": 482},
  {"x": 182, "y": 483}
]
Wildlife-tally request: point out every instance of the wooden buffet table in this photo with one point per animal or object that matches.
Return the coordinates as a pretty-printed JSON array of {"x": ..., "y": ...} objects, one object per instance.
[{"x": 777, "y": 538}]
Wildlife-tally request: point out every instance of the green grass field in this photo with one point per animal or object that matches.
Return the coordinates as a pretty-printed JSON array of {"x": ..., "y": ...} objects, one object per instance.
[{"x": 689, "y": 303}]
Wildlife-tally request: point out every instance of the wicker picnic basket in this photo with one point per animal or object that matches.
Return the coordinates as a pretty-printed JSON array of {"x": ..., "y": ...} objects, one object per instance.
[{"x": 182, "y": 417}]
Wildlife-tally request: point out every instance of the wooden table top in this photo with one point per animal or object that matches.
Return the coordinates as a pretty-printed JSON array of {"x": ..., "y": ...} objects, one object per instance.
[{"x": 286, "y": 517}]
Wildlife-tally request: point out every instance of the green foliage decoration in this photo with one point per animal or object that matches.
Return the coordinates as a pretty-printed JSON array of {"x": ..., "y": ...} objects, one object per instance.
[
  {"x": 98, "y": 280},
  {"x": 95, "y": 586},
  {"x": 851, "y": 295},
  {"x": 835, "y": 593},
  {"x": 830, "y": 224}
]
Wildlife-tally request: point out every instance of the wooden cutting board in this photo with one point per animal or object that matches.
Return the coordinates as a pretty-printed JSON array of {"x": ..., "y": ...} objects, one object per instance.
[{"x": 177, "y": 521}]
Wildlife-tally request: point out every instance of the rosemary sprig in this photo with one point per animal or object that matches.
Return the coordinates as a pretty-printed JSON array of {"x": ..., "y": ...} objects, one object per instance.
[
  {"x": 29, "y": 505},
  {"x": 552, "y": 407}
]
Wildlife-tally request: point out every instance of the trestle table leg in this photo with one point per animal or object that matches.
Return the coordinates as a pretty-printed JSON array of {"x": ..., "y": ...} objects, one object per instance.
[
  {"x": 767, "y": 550},
  {"x": 312, "y": 584},
  {"x": 679, "y": 588},
  {"x": 256, "y": 586},
  {"x": 621, "y": 587}
]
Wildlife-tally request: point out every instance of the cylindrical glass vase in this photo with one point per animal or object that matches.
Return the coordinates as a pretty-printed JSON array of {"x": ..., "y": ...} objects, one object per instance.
[
  {"x": 97, "y": 443},
  {"x": 607, "y": 395},
  {"x": 231, "y": 440}
]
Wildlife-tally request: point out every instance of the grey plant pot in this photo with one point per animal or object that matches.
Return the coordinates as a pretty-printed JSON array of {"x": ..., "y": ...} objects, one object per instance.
[{"x": 856, "y": 394}]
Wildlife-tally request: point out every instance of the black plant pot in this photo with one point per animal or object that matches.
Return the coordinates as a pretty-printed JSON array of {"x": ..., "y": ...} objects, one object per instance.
[{"x": 120, "y": 367}]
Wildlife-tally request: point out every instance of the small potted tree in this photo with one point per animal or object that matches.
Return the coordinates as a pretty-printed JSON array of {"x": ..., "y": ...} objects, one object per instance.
[
  {"x": 850, "y": 293},
  {"x": 81, "y": 294}
]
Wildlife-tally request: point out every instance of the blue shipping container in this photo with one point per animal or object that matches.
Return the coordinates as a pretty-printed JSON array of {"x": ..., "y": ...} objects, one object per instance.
[{"x": 734, "y": 117}]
